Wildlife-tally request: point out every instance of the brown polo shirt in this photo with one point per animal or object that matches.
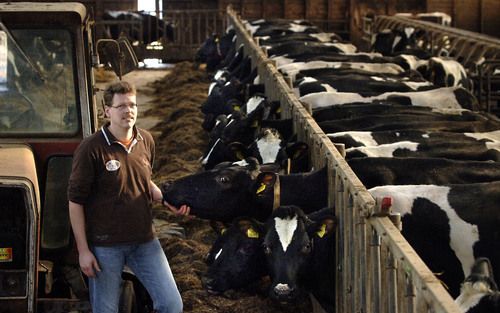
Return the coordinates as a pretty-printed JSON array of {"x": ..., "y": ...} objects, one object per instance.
[{"x": 112, "y": 183}]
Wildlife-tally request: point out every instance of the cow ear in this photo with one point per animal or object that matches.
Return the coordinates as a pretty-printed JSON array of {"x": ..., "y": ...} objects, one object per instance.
[
  {"x": 250, "y": 228},
  {"x": 238, "y": 150},
  {"x": 264, "y": 183},
  {"x": 297, "y": 150},
  {"x": 323, "y": 228},
  {"x": 219, "y": 227}
]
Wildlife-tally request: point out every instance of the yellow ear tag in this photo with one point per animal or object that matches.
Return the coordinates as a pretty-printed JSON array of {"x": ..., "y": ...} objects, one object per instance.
[
  {"x": 251, "y": 233},
  {"x": 236, "y": 107},
  {"x": 261, "y": 188},
  {"x": 322, "y": 231},
  {"x": 223, "y": 231}
]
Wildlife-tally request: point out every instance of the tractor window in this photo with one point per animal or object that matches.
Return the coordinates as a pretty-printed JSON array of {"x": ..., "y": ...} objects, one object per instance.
[{"x": 37, "y": 82}]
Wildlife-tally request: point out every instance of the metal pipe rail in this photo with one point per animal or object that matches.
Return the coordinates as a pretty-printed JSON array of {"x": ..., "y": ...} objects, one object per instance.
[
  {"x": 377, "y": 270},
  {"x": 465, "y": 46}
]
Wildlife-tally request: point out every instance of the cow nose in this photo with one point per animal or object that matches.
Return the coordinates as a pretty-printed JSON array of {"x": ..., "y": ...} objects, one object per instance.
[{"x": 282, "y": 290}]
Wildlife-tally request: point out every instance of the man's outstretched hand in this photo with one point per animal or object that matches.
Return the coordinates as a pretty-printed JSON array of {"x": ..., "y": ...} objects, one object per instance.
[{"x": 183, "y": 210}]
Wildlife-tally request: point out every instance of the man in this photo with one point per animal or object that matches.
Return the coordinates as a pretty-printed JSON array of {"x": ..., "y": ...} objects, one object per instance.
[{"x": 110, "y": 195}]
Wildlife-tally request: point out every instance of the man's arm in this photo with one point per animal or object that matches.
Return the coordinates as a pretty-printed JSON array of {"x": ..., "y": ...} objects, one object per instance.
[
  {"x": 157, "y": 195},
  {"x": 87, "y": 259}
]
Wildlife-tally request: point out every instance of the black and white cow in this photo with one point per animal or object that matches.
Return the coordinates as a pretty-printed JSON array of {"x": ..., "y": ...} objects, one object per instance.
[
  {"x": 228, "y": 192},
  {"x": 366, "y": 138},
  {"x": 153, "y": 29},
  {"x": 382, "y": 171},
  {"x": 300, "y": 251},
  {"x": 431, "y": 147},
  {"x": 236, "y": 258},
  {"x": 396, "y": 122},
  {"x": 396, "y": 41},
  {"x": 479, "y": 292},
  {"x": 353, "y": 110},
  {"x": 304, "y": 37},
  {"x": 447, "y": 72},
  {"x": 215, "y": 49},
  {"x": 364, "y": 85},
  {"x": 441, "y": 98},
  {"x": 259, "y": 28},
  {"x": 268, "y": 147},
  {"x": 291, "y": 70},
  {"x": 449, "y": 226}
]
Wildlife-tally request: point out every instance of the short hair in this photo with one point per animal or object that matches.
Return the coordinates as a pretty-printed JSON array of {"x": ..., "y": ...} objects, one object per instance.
[{"x": 121, "y": 87}]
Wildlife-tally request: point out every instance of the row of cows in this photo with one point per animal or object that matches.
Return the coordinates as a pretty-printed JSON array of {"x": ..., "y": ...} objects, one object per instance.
[{"x": 411, "y": 134}]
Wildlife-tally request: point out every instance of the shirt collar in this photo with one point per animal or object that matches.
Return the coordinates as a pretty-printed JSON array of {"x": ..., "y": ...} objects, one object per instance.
[{"x": 110, "y": 138}]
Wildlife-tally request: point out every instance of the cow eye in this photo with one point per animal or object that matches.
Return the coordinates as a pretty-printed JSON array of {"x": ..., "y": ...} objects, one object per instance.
[
  {"x": 306, "y": 248},
  {"x": 267, "y": 249}
]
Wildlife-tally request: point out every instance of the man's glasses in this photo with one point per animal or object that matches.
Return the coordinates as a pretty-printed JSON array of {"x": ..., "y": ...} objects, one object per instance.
[{"x": 124, "y": 106}]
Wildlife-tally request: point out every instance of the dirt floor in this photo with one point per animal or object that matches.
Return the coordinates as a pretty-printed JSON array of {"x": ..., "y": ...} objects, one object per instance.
[{"x": 172, "y": 113}]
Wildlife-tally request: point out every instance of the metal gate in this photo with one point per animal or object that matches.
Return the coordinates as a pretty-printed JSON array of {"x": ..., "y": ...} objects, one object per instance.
[{"x": 190, "y": 28}]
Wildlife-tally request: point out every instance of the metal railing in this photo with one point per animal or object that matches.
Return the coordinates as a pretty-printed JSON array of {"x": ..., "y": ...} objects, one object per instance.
[
  {"x": 189, "y": 28},
  {"x": 478, "y": 53},
  {"x": 377, "y": 270}
]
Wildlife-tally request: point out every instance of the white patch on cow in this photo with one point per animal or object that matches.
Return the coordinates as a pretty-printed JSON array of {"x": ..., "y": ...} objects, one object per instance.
[
  {"x": 217, "y": 255},
  {"x": 253, "y": 103},
  {"x": 324, "y": 98},
  {"x": 269, "y": 147},
  {"x": 416, "y": 85},
  {"x": 385, "y": 150},
  {"x": 227, "y": 84},
  {"x": 451, "y": 67},
  {"x": 240, "y": 163},
  {"x": 493, "y": 136},
  {"x": 263, "y": 37},
  {"x": 211, "y": 87},
  {"x": 376, "y": 78},
  {"x": 449, "y": 111},
  {"x": 413, "y": 62},
  {"x": 463, "y": 235},
  {"x": 345, "y": 47},
  {"x": 281, "y": 60},
  {"x": 493, "y": 145},
  {"x": 252, "y": 28},
  {"x": 397, "y": 39},
  {"x": 205, "y": 160},
  {"x": 471, "y": 293},
  {"x": 323, "y": 37},
  {"x": 386, "y": 68},
  {"x": 328, "y": 88},
  {"x": 296, "y": 28},
  {"x": 370, "y": 55},
  {"x": 409, "y": 31},
  {"x": 307, "y": 79},
  {"x": 426, "y": 136},
  {"x": 496, "y": 71},
  {"x": 256, "y": 81},
  {"x": 365, "y": 138},
  {"x": 218, "y": 75},
  {"x": 285, "y": 229}
]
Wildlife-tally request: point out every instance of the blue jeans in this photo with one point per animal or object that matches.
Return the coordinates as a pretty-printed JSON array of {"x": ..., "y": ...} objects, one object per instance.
[{"x": 149, "y": 264}]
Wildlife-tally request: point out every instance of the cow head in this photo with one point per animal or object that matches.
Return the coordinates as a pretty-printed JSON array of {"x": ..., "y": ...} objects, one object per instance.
[
  {"x": 236, "y": 258},
  {"x": 479, "y": 292},
  {"x": 214, "y": 50},
  {"x": 289, "y": 245},
  {"x": 221, "y": 194}
]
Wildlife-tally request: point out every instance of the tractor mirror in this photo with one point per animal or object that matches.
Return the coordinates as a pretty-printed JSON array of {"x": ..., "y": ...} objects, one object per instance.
[{"x": 118, "y": 54}]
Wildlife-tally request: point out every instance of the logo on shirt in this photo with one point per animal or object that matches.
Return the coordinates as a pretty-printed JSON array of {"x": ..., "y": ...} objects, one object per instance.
[{"x": 112, "y": 165}]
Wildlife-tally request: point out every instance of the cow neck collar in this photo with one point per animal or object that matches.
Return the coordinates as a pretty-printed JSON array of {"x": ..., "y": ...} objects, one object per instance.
[{"x": 277, "y": 193}]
